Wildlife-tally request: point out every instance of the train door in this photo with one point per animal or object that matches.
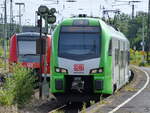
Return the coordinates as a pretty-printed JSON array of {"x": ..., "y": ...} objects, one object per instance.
[
  {"x": 124, "y": 62},
  {"x": 118, "y": 63},
  {"x": 121, "y": 63},
  {"x": 119, "y": 67},
  {"x": 115, "y": 62}
]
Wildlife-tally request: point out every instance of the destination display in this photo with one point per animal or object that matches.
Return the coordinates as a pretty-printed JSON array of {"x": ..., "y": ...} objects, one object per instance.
[{"x": 80, "y": 29}]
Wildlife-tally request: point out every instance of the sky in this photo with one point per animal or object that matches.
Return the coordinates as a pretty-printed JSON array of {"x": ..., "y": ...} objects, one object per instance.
[{"x": 67, "y": 9}]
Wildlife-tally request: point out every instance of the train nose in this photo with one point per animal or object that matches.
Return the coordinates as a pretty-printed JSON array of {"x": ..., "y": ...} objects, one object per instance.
[{"x": 79, "y": 67}]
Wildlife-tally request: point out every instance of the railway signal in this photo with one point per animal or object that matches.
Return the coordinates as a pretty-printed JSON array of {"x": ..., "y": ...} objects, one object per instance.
[
  {"x": 48, "y": 15},
  {"x": 51, "y": 16}
]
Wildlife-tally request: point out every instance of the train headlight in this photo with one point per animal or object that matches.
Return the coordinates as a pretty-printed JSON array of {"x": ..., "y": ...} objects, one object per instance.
[
  {"x": 60, "y": 70},
  {"x": 57, "y": 70},
  {"x": 63, "y": 70},
  {"x": 97, "y": 70},
  {"x": 100, "y": 70},
  {"x": 94, "y": 71}
]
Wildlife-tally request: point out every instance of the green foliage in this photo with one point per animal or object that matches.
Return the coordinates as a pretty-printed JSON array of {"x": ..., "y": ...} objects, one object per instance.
[
  {"x": 83, "y": 108},
  {"x": 6, "y": 97},
  {"x": 1, "y": 52},
  {"x": 18, "y": 88},
  {"x": 92, "y": 103},
  {"x": 142, "y": 64},
  {"x": 1, "y": 63},
  {"x": 133, "y": 28},
  {"x": 138, "y": 58}
]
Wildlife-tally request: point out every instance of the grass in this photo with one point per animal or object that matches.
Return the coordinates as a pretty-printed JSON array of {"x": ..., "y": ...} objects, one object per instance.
[
  {"x": 83, "y": 108},
  {"x": 103, "y": 102},
  {"x": 136, "y": 58},
  {"x": 92, "y": 102},
  {"x": 60, "y": 111},
  {"x": 129, "y": 88}
]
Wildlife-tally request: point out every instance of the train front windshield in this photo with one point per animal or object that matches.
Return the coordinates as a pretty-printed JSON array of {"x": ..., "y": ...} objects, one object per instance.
[
  {"x": 79, "y": 43},
  {"x": 27, "y": 47},
  {"x": 27, "y": 50}
]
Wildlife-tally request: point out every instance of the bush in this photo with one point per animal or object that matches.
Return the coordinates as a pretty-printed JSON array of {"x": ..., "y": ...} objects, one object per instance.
[
  {"x": 1, "y": 52},
  {"x": 18, "y": 88},
  {"x": 142, "y": 64}
]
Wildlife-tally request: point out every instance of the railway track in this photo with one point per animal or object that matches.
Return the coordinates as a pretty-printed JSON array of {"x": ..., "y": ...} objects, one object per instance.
[
  {"x": 76, "y": 107},
  {"x": 69, "y": 108}
]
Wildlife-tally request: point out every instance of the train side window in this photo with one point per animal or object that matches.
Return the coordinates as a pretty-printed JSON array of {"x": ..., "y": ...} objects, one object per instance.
[
  {"x": 110, "y": 48},
  {"x": 122, "y": 59},
  {"x": 116, "y": 56},
  {"x": 128, "y": 57}
]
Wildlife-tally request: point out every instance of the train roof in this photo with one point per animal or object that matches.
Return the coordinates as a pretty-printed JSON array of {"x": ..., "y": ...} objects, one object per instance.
[
  {"x": 97, "y": 22},
  {"x": 29, "y": 34},
  {"x": 115, "y": 33},
  {"x": 92, "y": 21}
]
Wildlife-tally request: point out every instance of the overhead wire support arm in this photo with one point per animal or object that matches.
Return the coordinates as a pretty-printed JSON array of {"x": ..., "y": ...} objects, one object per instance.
[
  {"x": 130, "y": 2},
  {"x": 111, "y": 11}
]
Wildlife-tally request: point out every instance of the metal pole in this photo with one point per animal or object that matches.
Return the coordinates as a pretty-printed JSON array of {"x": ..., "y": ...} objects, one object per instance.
[
  {"x": 45, "y": 84},
  {"x": 36, "y": 18},
  {"x": 143, "y": 43},
  {"x": 148, "y": 33},
  {"x": 40, "y": 77},
  {"x": 132, "y": 11},
  {"x": 2, "y": 22},
  {"x": 20, "y": 14},
  {"x": 11, "y": 18},
  {"x": 5, "y": 31}
]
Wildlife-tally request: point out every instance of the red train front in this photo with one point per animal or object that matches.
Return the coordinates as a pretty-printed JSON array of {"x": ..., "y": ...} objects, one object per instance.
[{"x": 23, "y": 50}]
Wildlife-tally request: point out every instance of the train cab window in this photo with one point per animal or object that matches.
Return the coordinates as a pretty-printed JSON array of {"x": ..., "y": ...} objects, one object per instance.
[
  {"x": 79, "y": 43},
  {"x": 27, "y": 47},
  {"x": 110, "y": 48}
]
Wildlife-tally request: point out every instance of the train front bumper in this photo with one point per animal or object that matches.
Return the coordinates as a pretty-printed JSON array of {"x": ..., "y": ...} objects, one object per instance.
[{"x": 82, "y": 83}]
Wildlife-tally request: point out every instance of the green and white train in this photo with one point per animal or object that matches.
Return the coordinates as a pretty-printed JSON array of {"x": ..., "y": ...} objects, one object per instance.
[{"x": 88, "y": 56}]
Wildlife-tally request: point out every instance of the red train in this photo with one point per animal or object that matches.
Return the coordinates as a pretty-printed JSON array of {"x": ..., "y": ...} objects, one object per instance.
[{"x": 23, "y": 50}]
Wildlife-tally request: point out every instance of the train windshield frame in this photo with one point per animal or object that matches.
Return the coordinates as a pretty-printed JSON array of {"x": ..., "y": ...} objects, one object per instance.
[
  {"x": 79, "y": 42},
  {"x": 27, "y": 49}
]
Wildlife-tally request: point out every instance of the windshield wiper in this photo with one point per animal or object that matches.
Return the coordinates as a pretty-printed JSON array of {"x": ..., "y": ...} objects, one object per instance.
[{"x": 28, "y": 54}]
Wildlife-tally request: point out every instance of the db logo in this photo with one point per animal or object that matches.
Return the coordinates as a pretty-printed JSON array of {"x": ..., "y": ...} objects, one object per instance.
[
  {"x": 29, "y": 65},
  {"x": 78, "y": 67}
]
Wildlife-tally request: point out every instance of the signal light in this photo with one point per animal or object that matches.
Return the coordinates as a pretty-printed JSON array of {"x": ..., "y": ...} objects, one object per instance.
[
  {"x": 43, "y": 9},
  {"x": 51, "y": 19},
  {"x": 52, "y": 11}
]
